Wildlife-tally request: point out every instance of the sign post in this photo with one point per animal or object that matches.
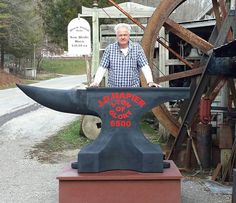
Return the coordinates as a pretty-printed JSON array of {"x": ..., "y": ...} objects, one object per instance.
[{"x": 79, "y": 37}]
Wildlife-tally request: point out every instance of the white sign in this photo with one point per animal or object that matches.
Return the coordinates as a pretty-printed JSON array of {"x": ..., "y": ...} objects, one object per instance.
[{"x": 79, "y": 38}]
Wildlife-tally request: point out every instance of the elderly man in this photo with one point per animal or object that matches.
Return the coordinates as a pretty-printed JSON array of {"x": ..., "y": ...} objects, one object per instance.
[{"x": 124, "y": 59}]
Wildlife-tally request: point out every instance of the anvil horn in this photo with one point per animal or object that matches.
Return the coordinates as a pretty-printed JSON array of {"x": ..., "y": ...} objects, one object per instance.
[{"x": 69, "y": 101}]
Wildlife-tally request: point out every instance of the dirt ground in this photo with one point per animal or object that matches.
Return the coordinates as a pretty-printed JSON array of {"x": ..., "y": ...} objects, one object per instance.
[{"x": 7, "y": 79}]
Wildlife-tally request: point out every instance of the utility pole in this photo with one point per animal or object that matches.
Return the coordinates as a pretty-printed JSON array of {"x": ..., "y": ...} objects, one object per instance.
[
  {"x": 95, "y": 51},
  {"x": 34, "y": 70},
  {"x": 34, "y": 57}
]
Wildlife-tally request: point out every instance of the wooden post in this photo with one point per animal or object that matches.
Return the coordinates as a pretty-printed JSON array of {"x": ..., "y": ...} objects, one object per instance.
[
  {"x": 188, "y": 155},
  {"x": 95, "y": 51},
  {"x": 204, "y": 144},
  {"x": 163, "y": 55},
  {"x": 225, "y": 145},
  {"x": 88, "y": 69}
]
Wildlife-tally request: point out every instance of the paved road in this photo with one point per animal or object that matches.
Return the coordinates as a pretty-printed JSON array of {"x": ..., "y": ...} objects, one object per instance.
[
  {"x": 20, "y": 113},
  {"x": 13, "y": 99}
]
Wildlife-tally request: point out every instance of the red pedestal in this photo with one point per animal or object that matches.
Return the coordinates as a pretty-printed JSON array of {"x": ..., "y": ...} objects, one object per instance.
[{"x": 120, "y": 186}]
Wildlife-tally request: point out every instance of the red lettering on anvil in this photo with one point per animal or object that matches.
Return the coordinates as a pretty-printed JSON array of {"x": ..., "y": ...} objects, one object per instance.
[
  {"x": 124, "y": 115},
  {"x": 123, "y": 102},
  {"x": 120, "y": 123},
  {"x": 123, "y": 96},
  {"x": 105, "y": 99},
  {"x": 120, "y": 108},
  {"x": 119, "y": 103},
  {"x": 112, "y": 113},
  {"x": 113, "y": 104},
  {"x": 100, "y": 103},
  {"x": 115, "y": 95}
]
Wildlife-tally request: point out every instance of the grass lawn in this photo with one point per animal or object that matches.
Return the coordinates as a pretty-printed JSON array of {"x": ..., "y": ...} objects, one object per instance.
[
  {"x": 64, "y": 66},
  {"x": 49, "y": 68}
]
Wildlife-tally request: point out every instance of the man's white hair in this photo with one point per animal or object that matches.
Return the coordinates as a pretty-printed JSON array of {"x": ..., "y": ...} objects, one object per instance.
[{"x": 121, "y": 25}]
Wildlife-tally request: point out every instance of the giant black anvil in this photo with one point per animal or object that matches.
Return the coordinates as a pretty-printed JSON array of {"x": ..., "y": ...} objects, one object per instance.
[{"x": 121, "y": 144}]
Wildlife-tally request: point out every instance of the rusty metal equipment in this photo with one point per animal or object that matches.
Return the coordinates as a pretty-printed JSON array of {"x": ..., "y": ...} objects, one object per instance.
[
  {"x": 120, "y": 144},
  {"x": 205, "y": 110},
  {"x": 218, "y": 38}
]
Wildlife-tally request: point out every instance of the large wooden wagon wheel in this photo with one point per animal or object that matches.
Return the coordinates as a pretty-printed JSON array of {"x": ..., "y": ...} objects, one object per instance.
[{"x": 218, "y": 37}]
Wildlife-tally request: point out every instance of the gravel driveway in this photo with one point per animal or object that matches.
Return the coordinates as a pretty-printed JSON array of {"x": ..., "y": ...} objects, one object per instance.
[{"x": 25, "y": 180}]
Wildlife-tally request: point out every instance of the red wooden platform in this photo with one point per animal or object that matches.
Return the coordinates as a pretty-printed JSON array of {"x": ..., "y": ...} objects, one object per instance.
[{"x": 120, "y": 186}]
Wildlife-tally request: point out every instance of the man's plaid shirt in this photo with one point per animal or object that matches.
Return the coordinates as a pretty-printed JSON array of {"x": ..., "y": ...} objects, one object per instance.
[{"x": 124, "y": 71}]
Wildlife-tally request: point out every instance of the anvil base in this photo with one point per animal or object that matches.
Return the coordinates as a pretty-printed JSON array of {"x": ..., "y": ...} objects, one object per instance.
[
  {"x": 119, "y": 157},
  {"x": 120, "y": 186}
]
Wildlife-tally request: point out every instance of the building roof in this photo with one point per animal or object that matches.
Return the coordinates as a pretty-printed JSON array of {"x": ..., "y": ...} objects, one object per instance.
[
  {"x": 134, "y": 9},
  {"x": 198, "y": 23}
]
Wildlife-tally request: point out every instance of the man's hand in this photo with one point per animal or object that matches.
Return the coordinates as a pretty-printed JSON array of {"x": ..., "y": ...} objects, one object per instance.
[
  {"x": 94, "y": 84},
  {"x": 153, "y": 84}
]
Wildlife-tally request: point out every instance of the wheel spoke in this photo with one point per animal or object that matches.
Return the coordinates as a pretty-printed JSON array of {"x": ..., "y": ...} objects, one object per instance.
[
  {"x": 157, "y": 20},
  {"x": 188, "y": 36}
]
